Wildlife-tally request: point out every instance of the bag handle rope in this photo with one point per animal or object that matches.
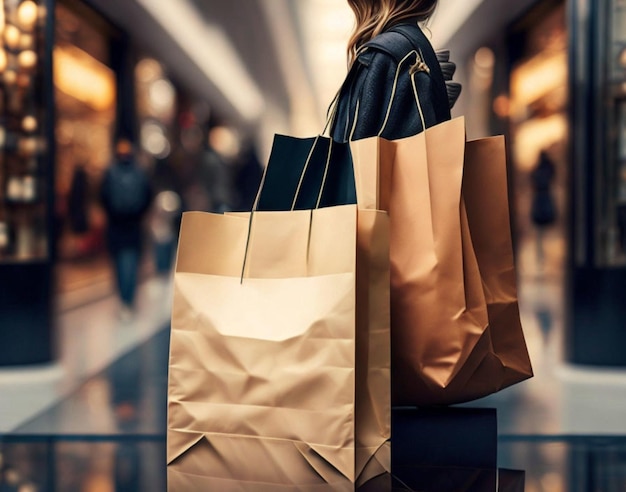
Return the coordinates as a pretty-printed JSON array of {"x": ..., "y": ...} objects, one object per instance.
[{"x": 418, "y": 66}]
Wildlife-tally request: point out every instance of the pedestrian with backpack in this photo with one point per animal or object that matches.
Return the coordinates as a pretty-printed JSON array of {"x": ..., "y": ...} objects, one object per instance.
[{"x": 126, "y": 195}]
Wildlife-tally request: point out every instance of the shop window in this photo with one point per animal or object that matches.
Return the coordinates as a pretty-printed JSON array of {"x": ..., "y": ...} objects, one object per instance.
[
  {"x": 538, "y": 114},
  {"x": 611, "y": 212},
  {"x": 85, "y": 101},
  {"x": 24, "y": 207}
]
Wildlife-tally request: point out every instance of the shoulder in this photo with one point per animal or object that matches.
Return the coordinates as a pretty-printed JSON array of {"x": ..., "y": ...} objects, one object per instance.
[
  {"x": 400, "y": 40},
  {"x": 403, "y": 43}
]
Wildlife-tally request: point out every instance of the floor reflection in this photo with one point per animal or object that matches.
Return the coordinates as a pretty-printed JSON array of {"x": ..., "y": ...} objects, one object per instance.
[
  {"x": 56, "y": 465},
  {"x": 555, "y": 433}
]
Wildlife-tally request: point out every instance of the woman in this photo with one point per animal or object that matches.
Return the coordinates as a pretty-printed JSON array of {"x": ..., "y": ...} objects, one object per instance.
[{"x": 386, "y": 51}]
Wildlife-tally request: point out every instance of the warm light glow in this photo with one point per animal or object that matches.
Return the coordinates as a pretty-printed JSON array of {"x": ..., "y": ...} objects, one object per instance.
[
  {"x": 27, "y": 59},
  {"x": 538, "y": 77},
  {"x": 162, "y": 97},
  {"x": 223, "y": 67},
  {"x": 27, "y": 14},
  {"x": 225, "y": 141},
  {"x": 23, "y": 80},
  {"x": 536, "y": 135},
  {"x": 484, "y": 58},
  {"x": 325, "y": 26},
  {"x": 81, "y": 76},
  {"x": 27, "y": 41},
  {"x": 502, "y": 106},
  {"x": 168, "y": 201},
  {"x": 12, "y": 36},
  {"x": 3, "y": 60},
  {"x": 29, "y": 123},
  {"x": 148, "y": 70},
  {"x": 10, "y": 77},
  {"x": 154, "y": 141},
  {"x": 2, "y": 19},
  {"x": 333, "y": 23}
]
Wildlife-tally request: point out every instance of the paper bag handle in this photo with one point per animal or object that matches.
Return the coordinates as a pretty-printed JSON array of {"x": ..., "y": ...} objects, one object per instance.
[
  {"x": 295, "y": 198},
  {"x": 330, "y": 118},
  {"x": 419, "y": 61}
]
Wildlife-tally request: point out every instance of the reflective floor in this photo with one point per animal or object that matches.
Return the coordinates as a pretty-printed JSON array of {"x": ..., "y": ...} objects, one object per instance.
[{"x": 96, "y": 420}]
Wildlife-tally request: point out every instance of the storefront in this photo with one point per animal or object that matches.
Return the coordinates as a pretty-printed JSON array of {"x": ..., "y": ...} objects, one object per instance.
[
  {"x": 58, "y": 117},
  {"x": 67, "y": 90},
  {"x": 71, "y": 82},
  {"x": 596, "y": 328},
  {"x": 537, "y": 114},
  {"x": 553, "y": 79},
  {"x": 26, "y": 177},
  {"x": 85, "y": 94}
]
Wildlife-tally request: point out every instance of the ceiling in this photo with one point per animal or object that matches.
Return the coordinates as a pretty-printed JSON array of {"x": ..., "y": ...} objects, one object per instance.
[
  {"x": 247, "y": 58},
  {"x": 274, "y": 65}
]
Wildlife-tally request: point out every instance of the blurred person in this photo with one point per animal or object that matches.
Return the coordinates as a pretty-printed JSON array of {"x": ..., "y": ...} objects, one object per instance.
[
  {"x": 126, "y": 195},
  {"x": 543, "y": 208},
  {"x": 78, "y": 201},
  {"x": 164, "y": 224},
  {"x": 370, "y": 82},
  {"x": 217, "y": 179},
  {"x": 248, "y": 177},
  {"x": 165, "y": 214}
]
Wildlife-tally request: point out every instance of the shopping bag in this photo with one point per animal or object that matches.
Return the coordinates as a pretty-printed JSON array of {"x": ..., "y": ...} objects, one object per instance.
[
  {"x": 279, "y": 352},
  {"x": 296, "y": 169},
  {"x": 485, "y": 192},
  {"x": 456, "y": 332},
  {"x": 455, "y": 328}
]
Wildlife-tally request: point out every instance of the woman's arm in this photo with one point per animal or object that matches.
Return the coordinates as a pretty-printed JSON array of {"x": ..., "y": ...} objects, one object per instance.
[{"x": 376, "y": 81}]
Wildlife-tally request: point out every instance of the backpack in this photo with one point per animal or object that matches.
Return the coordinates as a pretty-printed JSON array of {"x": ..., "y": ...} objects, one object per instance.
[{"x": 127, "y": 191}]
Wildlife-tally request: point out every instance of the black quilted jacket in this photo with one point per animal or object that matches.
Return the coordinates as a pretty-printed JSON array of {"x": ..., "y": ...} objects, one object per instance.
[{"x": 370, "y": 82}]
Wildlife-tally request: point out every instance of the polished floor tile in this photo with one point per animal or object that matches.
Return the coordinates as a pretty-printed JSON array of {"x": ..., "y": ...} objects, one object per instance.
[
  {"x": 96, "y": 420},
  {"x": 89, "y": 338}
]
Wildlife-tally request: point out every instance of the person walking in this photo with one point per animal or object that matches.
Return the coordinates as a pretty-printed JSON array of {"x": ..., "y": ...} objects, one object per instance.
[
  {"x": 126, "y": 196},
  {"x": 543, "y": 209}
]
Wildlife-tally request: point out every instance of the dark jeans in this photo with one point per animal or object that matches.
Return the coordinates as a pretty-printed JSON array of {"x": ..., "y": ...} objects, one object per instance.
[
  {"x": 126, "y": 270},
  {"x": 164, "y": 256}
]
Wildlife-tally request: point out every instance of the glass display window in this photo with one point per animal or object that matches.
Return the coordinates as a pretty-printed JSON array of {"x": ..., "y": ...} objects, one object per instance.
[
  {"x": 539, "y": 126},
  {"x": 85, "y": 100},
  {"x": 610, "y": 127},
  {"x": 24, "y": 173}
]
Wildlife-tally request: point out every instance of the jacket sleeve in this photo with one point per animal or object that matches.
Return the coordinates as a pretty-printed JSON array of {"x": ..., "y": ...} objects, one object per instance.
[{"x": 383, "y": 105}]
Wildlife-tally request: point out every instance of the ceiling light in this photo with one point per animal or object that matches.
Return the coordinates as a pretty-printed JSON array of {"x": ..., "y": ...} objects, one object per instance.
[{"x": 209, "y": 48}]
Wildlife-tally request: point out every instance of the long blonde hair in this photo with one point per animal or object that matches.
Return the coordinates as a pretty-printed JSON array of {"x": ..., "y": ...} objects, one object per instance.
[{"x": 374, "y": 16}]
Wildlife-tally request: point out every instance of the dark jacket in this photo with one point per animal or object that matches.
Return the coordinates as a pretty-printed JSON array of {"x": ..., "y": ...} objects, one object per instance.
[
  {"x": 370, "y": 82},
  {"x": 124, "y": 229}
]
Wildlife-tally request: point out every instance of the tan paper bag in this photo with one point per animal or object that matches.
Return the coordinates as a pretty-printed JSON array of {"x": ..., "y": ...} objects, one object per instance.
[
  {"x": 485, "y": 192},
  {"x": 280, "y": 378},
  {"x": 445, "y": 345}
]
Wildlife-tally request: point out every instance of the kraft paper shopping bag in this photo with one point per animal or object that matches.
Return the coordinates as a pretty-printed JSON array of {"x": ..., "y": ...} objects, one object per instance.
[
  {"x": 279, "y": 357},
  {"x": 455, "y": 326}
]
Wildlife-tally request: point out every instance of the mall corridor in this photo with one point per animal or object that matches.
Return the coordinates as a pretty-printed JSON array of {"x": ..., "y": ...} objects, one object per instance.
[
  {"x": 96, "y": 420},
  {"x": 199, "y": 91}
]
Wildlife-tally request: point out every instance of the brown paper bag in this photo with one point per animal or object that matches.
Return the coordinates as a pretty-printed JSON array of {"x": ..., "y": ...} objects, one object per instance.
[
  {"x": 485, "y": 192},
  {"x": 446, "y": 342},
  {"x": 280, "y": 377}
]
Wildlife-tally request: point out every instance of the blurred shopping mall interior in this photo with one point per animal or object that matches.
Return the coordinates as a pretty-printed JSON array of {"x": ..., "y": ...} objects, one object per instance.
[{"x": 201, "y": 87}]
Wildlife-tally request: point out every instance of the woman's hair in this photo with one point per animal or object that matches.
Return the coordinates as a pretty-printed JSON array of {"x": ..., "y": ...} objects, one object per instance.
[{"x": 374, "y": 16}]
